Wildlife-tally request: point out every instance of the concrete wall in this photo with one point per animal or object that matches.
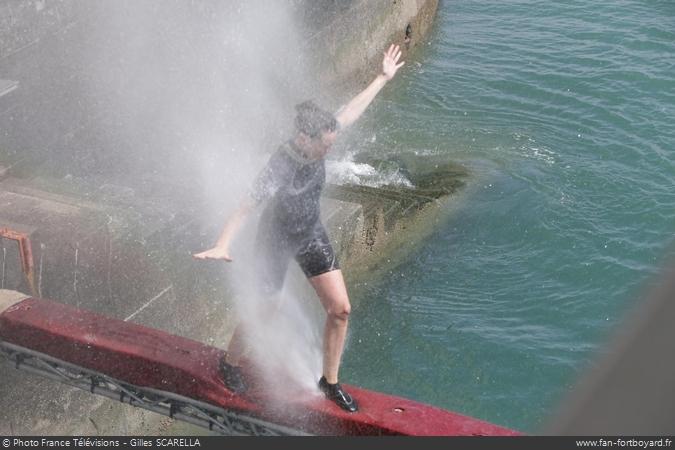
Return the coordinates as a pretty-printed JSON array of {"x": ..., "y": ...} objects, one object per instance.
[
  {"x": 26, "y": 22},
  {"x": 347, "y": 38}
]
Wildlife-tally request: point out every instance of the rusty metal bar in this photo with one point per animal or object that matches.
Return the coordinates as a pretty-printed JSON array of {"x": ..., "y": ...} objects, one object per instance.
[{"x": 25, "y": 253}]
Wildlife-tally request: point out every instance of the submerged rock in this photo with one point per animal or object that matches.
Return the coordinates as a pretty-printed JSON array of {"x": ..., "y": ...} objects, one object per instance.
[{"x": 393, "y": 219}]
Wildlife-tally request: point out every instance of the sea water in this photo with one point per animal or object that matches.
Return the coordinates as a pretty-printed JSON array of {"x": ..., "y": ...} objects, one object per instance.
[{"x": 564, "y": 114}]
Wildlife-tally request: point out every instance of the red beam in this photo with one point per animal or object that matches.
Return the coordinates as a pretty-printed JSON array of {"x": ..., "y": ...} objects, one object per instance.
[{"x": 152, "y": 358}]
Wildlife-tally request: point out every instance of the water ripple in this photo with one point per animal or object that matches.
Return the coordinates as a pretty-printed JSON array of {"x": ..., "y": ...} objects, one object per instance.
[{"x": 563, "y": 111}]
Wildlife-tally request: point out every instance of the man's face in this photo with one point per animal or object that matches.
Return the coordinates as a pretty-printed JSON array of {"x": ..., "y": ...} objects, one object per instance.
[{"x": 322, "y": 144}]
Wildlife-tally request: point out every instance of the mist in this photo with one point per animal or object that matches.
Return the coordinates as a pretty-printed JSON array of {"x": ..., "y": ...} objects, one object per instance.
[
  {"x": 159, "y": 114},
  {"x": 183, "y": 87},
  {"x": 200, "y": 94}
]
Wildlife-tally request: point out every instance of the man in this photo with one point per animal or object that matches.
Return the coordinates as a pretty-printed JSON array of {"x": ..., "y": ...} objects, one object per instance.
[{"x": 290, "y": 227}]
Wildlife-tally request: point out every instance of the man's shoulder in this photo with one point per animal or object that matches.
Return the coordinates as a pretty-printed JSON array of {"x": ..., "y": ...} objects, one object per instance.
[
  {"x": 280, "y": 161},
  {"x": 293, "y": 155},
  {"x": 281, "y": 155}
]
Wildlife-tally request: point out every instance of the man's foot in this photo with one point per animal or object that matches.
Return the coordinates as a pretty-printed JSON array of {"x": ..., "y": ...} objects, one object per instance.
[
  {"x": 232, "y": 376},
  {"x": 338, "y": 395}
]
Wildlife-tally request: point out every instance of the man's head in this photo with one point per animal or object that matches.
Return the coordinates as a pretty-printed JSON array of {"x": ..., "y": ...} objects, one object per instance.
[{"x": 316, "y": 129}]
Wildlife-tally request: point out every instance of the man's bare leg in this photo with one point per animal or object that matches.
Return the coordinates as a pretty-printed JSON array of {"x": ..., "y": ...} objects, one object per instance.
[
  {"x": 332, "y": 292},
  {"x": 330, "y": 287},
  {"x": 237, "y": 346}
]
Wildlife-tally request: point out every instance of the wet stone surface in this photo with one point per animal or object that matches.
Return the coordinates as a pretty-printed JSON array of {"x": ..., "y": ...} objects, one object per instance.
[
  {"x": 431, "y": 181},
  {"x": 394, "y": 219}
]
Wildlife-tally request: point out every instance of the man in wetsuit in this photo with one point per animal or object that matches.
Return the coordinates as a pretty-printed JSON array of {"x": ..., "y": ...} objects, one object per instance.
[{"x": 290, "y": 227}]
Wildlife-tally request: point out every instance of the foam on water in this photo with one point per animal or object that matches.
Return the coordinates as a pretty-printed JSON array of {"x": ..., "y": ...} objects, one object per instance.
[{"x": 347, "y": 171}]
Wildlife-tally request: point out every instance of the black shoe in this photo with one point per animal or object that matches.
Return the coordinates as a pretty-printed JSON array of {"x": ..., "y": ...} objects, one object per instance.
[
  {"x": 335, "y": 393},
  {"x": 232, "y": 376}
]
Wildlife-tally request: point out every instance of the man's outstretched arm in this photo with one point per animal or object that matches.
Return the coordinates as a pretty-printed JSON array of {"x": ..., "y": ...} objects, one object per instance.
[
  {"x": 222, "y": 248},
  {"x": 353, "y": 110}
]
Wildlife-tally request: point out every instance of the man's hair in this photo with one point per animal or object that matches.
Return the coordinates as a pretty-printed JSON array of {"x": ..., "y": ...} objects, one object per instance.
[{"x": 312, "y": 120}]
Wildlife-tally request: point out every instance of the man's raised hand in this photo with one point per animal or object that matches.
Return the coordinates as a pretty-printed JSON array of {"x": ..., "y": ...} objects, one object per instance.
[{"x": 390, "y": 62}]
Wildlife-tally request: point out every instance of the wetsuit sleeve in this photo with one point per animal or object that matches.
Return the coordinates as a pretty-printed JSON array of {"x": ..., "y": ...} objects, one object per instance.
[{"x": 271, "y": 178}]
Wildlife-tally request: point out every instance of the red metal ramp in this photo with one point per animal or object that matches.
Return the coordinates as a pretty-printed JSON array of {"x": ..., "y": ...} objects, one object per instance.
[{"x": 179, "y": 377}]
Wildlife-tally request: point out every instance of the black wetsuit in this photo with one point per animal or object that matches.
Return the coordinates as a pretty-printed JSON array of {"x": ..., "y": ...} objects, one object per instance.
[{"x": 290, "y": 226}]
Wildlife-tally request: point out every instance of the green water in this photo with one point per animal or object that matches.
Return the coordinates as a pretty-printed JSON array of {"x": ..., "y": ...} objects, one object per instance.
[{"x": 563, "y": 112}]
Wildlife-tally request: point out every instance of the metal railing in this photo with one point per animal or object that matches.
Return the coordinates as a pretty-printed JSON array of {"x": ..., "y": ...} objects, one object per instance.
[{"x": 198, "y": 413}]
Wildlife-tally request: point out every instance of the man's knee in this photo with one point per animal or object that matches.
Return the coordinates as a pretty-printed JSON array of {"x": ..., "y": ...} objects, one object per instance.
[{"x": 341, "y": 311}]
